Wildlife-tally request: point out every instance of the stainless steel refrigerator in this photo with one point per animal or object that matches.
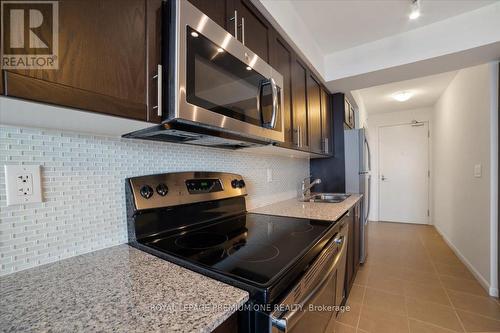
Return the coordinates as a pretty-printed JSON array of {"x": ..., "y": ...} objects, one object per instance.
[{"x": 358, "y": 177}]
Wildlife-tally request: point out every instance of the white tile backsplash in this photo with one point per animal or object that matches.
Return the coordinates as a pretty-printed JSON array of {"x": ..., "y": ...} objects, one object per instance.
[{"x": 83, "y": 188}]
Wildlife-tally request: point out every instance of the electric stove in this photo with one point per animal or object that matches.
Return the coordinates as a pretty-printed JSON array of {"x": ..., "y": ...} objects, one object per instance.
[{"x": 199, "y": 220}]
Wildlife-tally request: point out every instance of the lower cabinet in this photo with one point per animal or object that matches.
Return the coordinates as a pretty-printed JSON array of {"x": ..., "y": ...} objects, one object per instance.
[
  {"x": 229, "y": 326},
  {"x": 353, "y": 247}
]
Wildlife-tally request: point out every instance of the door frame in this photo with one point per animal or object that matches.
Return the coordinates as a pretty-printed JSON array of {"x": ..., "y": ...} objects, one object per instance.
[{"x": 429, "y": 164}]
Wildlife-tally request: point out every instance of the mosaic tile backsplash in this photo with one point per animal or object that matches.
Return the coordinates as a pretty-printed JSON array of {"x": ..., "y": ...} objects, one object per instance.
[{"x": 83, "y": 188}]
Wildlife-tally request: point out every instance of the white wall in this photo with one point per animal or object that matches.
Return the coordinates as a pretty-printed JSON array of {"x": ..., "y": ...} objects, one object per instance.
[
  {"x": 462, "y": 133},
  {"x": 375, "y": 121},
  {"x": 83, "y": 179}
]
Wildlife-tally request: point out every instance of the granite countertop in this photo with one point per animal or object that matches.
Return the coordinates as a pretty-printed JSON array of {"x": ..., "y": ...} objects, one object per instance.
[
  {"x": 310, "y": 210},
  {"x": 119, "y": 289}
]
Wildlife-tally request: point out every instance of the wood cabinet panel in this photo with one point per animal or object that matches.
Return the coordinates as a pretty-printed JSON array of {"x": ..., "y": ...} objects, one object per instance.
[
  {"x": 281, "y": 60},
  {"x": 299, "y": 106},
  {"x": 314, "y": 114},
  {"x": 103, "y": 61},
  {"x": 353, "y": 247},
  {"x": 217, "y": 10},
  {"x": 254, "y": 30},
  {"x": 326, "y": 123}
]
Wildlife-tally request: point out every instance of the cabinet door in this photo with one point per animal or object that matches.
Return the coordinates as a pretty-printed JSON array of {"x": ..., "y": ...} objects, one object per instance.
[
  {"x": 299, "y": 106},
  {"x": 357, "y": 233},
  {"x": 104, "y": 59},
  {"x": 314, "y": 113},
  {"x": 217, "y": 10},
  {"x": 281, "y": 60},
  {"x": 350, "y": 254},
  {"x": 254, "y": 30},
  {"x": 326, "y": 123}
]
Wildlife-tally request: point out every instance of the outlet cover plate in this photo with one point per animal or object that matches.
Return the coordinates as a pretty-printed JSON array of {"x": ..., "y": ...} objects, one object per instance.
[{"x": 23, "y": 184}]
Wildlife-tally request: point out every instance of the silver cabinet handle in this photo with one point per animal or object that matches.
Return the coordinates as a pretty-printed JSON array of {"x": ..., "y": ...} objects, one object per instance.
[
  {"x": 325, "y": 145},
  {"x": 235, "y": 19},
  {"x": 243, "y": 30},
  {"x": 298, "y": 136},
  {"x": 383, "y": 177},
  {"x": 159, "y": 80}
]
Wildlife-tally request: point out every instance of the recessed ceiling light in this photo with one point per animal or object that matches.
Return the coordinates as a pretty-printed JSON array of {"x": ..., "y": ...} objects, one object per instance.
[
  {"x": 414, "y": 15},
  {"x": 249, "y": 68},
  {"x": 220, "y": 50},
  {"x": 402, "y": 96},
  {"x": 415, "y": 10},
  {"x": 194, "y": 34}
]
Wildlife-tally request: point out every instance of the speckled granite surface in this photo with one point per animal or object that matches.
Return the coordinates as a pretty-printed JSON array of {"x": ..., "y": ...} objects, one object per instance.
[
  {"x": 310, "y": 210},
  {"x": 119, "y": 289}
]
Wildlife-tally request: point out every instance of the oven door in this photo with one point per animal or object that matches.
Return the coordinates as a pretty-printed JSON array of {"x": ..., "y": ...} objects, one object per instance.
[
  {"x": 313, "y": 302},
  {"x": 221, "y": 83}
]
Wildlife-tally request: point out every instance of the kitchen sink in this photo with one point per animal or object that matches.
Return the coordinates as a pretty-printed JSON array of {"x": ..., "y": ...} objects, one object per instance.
[{"x": 328, "y": 197}]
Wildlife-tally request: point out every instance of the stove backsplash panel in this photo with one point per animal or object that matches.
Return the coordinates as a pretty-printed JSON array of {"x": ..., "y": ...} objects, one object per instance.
[{"x": 84, "y": 192}]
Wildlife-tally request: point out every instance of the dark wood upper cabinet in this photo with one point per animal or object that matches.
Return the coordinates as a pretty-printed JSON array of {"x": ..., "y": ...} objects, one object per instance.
[
  {"x": 217, "y": 10},
  {"x": 299, "y": 104},
  {"x": 314, "y": 114},
  {"x": 326, "y": 123},
  {"x": 281, "y": 60},
  {"x": 109, "y": 51},
  {"x": 253, "y": 29}
]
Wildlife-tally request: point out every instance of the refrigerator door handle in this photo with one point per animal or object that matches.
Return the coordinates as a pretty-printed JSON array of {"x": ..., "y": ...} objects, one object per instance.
[
  {"x": 369, "y": 154},
  {"x": 368, "y": 199}
]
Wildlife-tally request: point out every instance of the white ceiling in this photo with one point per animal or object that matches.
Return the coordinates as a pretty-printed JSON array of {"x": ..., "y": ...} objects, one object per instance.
[
  {"x": 341, "y": 24},
  {"x": 427, "y": 91}
]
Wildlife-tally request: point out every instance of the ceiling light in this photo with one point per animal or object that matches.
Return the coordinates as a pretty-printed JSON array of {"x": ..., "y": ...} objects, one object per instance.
[
  {"x": 415, "y": 9},
  {"x": 194, "y": 34},
  {"x": 220, "y": 50},
  {"x": 402, "y": 96},
  {"x": 249, "y": 68}
]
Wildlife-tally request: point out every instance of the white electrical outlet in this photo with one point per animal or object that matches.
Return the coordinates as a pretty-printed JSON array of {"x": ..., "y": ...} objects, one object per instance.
[
  {"x": 478, "y": 170},
  {"x": 269, "y": 175},
  {"x": 23, "y": 184}
]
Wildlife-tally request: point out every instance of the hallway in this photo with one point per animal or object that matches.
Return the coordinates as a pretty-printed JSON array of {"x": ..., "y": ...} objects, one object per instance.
[{"x": 413, "y": 282}]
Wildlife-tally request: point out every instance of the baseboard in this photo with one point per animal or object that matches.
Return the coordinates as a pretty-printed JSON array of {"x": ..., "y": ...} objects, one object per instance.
[{"x": 491, "y": 291}]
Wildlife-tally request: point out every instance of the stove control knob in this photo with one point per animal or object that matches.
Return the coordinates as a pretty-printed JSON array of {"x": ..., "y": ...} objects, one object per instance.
[
  {"x": 235, "y": 183},
  {"x": 146, "y": 191},
  {"x": 241, "y": 184},
  {"x": 162, "y": 189}
]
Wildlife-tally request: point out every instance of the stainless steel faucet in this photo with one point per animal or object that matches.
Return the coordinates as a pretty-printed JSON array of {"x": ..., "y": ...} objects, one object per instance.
[{"x": 306, "y": 187}]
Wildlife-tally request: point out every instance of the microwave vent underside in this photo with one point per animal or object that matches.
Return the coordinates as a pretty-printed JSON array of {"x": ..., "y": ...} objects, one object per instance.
[{"x": 199, "y": 139}]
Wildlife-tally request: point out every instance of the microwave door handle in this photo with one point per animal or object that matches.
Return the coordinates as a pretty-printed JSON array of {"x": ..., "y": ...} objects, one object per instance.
[
  {"x": 274, "y": 116},
  {"x": 274, "y": 90},
  {"x": 259, "y": 100}
]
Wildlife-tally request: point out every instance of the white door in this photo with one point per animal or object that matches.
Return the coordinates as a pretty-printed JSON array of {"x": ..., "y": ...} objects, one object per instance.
[{"x": 404, "y": 173}]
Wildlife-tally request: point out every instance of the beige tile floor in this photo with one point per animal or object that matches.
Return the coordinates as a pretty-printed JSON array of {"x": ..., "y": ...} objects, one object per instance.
[{"x": 413, "y": 282}]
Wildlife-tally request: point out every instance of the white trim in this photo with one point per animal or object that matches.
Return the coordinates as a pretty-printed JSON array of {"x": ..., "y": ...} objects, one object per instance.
[
  {"x": 428, "y": 168},
  {"x": 484, "y": 283},
  {"x": 494, "y": 177},
  {"x": 22, "y": 113}
]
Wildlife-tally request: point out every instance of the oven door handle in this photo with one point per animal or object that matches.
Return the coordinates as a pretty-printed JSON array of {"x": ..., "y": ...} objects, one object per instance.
[{"x": 285, "y": 322}]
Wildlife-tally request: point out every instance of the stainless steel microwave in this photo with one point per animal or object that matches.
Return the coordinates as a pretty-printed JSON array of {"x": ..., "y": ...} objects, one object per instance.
[{"x": 216, "y": 91}]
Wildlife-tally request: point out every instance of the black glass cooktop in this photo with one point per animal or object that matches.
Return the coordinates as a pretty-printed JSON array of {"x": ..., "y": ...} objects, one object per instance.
[{"x": 253, "y": 247}]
